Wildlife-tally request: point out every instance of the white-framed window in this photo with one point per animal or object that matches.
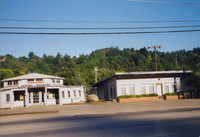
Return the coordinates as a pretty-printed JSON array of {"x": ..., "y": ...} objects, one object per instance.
[
  {"x": 53, "y": 81},
  {"x": 132, "y": 89},
  {"x": 69, "y": 95},
  {"x": 39, "y": 79},
  {"x": 79, "y": 93},
  {"x": 123, "y": 90},
  {"x": 63, "y": 94},
  {"x": 15, "y": 82},
  {"x": 143, "y": 89},
  {"x": 9, "y": 82},
  {"x": 172, "y": 85},
  {"x": 151, "y": 89},
  {"x": 166, "y": 87},
  {"x": 74, "y": 93},
  {"x": 8, "y": 97},
  {"x": 58, "y": 80}
]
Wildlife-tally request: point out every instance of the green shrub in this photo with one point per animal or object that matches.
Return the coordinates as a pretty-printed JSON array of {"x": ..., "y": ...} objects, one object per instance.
[
  {"x": 138, "y": 96},
  {"x": 171, "y": 94}
]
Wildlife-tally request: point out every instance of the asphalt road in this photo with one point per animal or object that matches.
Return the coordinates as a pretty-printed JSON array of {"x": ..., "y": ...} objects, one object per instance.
[{"x": 182, "y": 122}]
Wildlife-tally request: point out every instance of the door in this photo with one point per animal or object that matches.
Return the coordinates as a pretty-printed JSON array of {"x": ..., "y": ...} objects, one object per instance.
[
  {"x": 159, "y": 89},
  {"x": 36, "y": 99},
  {"x": 112, "y": 92}
]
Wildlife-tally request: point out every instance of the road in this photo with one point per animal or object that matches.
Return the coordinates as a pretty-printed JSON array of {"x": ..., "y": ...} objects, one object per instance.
[{"x": 177, "y": 122}]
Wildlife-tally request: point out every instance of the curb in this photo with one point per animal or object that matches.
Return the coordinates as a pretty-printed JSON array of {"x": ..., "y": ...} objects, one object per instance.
[{"x": 29, "y": 113}]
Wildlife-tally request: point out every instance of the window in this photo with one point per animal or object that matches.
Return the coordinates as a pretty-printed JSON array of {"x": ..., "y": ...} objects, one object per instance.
[
  {"x": 58, "y": 81},
  {"x": 74, "y": 93},
  {"x": 172, "y": 87},
  {"x": 69, "y": 94},
  {"x": 53, "y": 80},
  {"x": 151, "y": 89},
  {"x": 143, "y": 89},
  {"x": 132, "y": 89},
  {"x": 15, "y": 82},
  {"x": 63, "y": 94},
  {"x": 9, "y": 82},
  {"x": 79, "y": 93},
  {"x": 50, "y": 95},
  {"x": 38, "y": 79},
  {"x": 30, "y": 79},
  {"x": 123, "y": 90},
  {"x": 166, "y": 88},
  {"x": 8, "y": 97}
]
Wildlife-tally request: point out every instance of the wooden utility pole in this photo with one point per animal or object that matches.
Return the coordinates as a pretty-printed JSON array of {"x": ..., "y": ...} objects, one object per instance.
[{"x": 154, "y": 47}]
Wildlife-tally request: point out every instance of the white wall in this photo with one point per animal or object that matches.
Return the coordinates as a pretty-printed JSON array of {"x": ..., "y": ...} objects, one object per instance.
[
  {"x": 3, "y": 102},
  {"x": 72, "y": 98},
  {"x": 138, "y": 83}
]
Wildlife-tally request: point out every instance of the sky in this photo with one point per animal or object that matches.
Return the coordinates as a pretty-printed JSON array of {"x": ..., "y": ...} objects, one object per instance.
[{"x": 96, "y": 10}]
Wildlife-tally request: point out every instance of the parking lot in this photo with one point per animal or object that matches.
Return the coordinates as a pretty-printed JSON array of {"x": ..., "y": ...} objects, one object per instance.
[{"x": 152, "y": 118}]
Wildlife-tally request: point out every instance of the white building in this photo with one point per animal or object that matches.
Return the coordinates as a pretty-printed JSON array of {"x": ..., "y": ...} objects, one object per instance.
[
  {"x": 137, "y": 83},
  {"x": 38, "y": 89}
]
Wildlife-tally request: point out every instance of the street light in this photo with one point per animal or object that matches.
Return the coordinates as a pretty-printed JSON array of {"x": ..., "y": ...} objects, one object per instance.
[{"x": 95, "y": 69}]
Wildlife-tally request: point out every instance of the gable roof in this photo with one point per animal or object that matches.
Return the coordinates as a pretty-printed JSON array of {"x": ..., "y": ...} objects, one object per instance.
[
  {"x": 144, "y": 74},
  {"x": 33, "y": 76}
]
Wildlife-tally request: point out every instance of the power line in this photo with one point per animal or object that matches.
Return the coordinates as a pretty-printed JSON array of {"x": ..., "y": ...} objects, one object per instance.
[
  {"x": 165, "y": 2},
  {"x": 90, "y": 21},
  {"x": 100, "y": 33},
  {"x": 102, "y": 28}
]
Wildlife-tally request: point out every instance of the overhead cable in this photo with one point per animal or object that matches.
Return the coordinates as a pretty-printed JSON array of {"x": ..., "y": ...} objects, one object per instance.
[
  {"x": 103, "y": 21},
  {"x": 103, "y": 28},
  {"x": 100, "y": 33},
  {"x": 165, "y": 2}
]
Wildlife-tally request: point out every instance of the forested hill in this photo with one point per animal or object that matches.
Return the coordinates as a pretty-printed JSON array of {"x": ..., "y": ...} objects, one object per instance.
[{"x": 80, "y": 70}]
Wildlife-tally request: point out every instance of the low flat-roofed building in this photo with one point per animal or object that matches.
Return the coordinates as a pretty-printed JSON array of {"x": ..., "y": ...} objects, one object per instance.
[
  {"x": 38, "y": 89},
  {"x": 137, "y": 83}
]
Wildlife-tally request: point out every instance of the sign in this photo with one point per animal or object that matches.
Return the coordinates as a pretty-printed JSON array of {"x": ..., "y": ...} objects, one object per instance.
[{"x": 36, "y": 84}]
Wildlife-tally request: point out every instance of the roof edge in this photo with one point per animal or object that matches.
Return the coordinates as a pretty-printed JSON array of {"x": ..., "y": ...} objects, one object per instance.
[{"x": 141, "y": 73}]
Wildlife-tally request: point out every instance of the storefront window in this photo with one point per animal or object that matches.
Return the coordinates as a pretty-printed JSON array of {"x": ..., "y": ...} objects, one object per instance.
[{"x": 50, "y": 95}]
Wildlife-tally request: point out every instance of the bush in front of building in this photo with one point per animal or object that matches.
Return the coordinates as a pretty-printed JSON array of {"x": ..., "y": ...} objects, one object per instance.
[
  {"x": 138, "y": 96},
  {"x": 171, "y": 94}
]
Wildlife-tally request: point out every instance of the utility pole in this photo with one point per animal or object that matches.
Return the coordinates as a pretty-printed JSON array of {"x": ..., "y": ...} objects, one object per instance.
[
  {"x": 176, "y": 62},
  {"x": 95, "y": 70},
  {"x": 154, "y": 47}
]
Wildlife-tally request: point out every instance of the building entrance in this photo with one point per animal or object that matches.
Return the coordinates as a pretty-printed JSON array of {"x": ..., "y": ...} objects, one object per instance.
[
  {"x": 159, "y": 89},
  {"x": 36, "y": 97}
]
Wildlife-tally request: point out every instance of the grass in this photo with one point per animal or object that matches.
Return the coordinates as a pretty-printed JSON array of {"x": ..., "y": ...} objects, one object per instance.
[{"x": 138, "y": 96}]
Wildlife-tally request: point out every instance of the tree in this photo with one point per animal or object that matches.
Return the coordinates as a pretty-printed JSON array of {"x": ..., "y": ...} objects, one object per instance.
[{"x": 31, "y": 55}]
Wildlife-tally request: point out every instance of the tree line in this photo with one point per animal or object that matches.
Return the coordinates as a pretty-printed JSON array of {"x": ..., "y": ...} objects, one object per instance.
[{"x": 80, "y": 70}]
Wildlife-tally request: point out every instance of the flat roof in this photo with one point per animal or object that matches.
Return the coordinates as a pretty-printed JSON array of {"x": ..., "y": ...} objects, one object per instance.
[
  {"x": 151, "y": 73},
  {"x": 33, "y": 76}
]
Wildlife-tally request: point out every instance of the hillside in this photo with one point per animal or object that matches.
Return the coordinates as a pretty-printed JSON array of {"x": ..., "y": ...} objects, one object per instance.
[{"x": 80, "y": 70}]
